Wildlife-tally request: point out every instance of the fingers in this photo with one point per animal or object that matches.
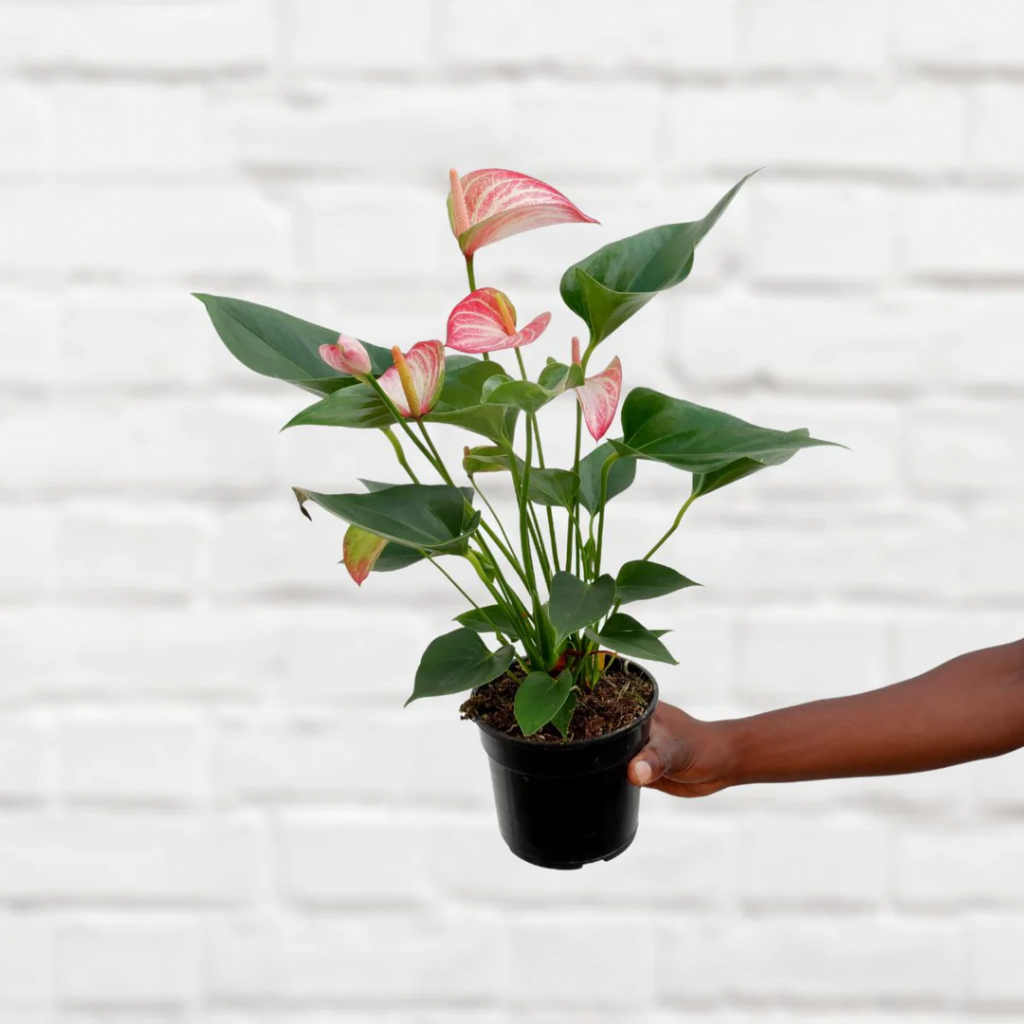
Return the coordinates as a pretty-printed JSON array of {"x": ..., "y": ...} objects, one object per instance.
[{"x": 647, "y": 767}]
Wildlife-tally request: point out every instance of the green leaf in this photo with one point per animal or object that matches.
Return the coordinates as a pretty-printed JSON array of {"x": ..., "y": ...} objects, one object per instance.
[
  {"x": 620, "y": 477},
  {"x": 624, "y": 635},
  {"x": 554, "y": 487},
  {"x": 641, "y": 581},
  {"x": 462, "y": 402},
  {"x": 276, "y": 344},
  {"x": 700, "y": 440},
  {"x": 524, "y": 395},
  {"x": 432, "y": 518},
  {"x": 488, "y": 619},
  {"x": 395, "y": 557},
  {"x": 705, "y": 483},
  {"x": 611, "y": 285},
  {"x": 563, "y": 716},
  {"x": 358, "y": 406},
  {"x": 539, "y": 698},
  {"x": 558, "y": 377},
  {"x": 574, "y": 604},
  {"x": 487, "y": 459},
  {"x": 458, "y": 661}
]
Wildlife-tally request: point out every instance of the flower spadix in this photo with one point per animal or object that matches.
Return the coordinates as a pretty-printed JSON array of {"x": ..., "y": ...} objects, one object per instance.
[
  {"x": 485, "y": 321},
  {"x": 414, "y": 383},
  {"x": 599, "y": 395},
  {"x": 488, "y": 205}
]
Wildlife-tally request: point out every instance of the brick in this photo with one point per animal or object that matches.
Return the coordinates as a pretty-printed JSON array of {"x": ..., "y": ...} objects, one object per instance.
[
  {"x": 909, "y": 129},
  {"x": 126, "y": 758},
  {"x": 373, "y": 848},
  {"x": 924, "y": 639},
  {"x": 969, "y": 866},
  {"x": 345, "y": 36},
  {"x": 998, "y": 783},
  {"x": 25, "y": 753},
  {"x": 147, "y": 38},
  {"x": 29, "y": 316},
  {"x": 126, "y": 965},
  {"x": 995, "y": 141},
  {"x": 24, "y": 123},
  {"x": 994, "y": 559},
  {"x": 108, "y": 551},
  {"x": 963, "y": 447},
  {"x": 986, "y": 247},
  {"x": 993, "y": 975},
  {"x": 80, "y": 858},
  {"x": 959, "y": 35},
  {"x": 811, "y": 35},
  {"x": 27, "y": 551},
  {"x": 31, "y": 223},
  {"x": 553, "y": 961},
  {"x": 354, "y": 959},
  {"x": 960, "y": 362},
  {"x": 682, "y": 37},
  {"x": 118, "y": 130},
  {"x": 24, "y": 966},
  {"x": 791, "y": 656},
  {"x": 820, "y": 234},
  {"x": 839, "y": 862}
]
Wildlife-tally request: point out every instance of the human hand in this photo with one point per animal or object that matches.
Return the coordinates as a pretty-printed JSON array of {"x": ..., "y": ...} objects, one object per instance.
[{"x": 684, "y": 757}]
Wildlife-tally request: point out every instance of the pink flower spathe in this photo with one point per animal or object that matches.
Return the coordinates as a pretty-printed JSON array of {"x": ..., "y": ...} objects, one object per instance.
[
  {"x": 414, "y": 383},
  {"x": 485, "y": 321}
]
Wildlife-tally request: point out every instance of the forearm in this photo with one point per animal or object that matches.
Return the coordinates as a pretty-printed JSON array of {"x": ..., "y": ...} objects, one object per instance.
[{"x": 969, "y": 708}]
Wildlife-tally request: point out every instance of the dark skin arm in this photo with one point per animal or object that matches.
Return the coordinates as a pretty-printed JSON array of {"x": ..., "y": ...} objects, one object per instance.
[{"x": 969, "y": 708}]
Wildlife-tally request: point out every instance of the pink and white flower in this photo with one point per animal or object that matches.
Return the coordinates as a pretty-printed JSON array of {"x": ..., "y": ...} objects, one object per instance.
[
  {"x": 599, "y": 395},
  {"x": 485, "y": 321},
  {"x": 347, "y": 355},
  {"x": 488, "y": 205},
  {"x": 414, "y": 383},
  {"x": 361, "y": 549}
]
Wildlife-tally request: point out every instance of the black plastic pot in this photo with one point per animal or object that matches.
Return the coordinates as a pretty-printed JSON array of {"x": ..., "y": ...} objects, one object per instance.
[{"x": 563, "y": 805}]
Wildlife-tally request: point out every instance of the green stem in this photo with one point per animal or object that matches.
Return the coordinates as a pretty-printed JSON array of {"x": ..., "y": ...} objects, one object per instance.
[
  {"x": 470, "y": 274},
  {"x": 672, "y": 529},
  {"x": 400, "y": 419},
  {"x": 444, "y": 572},
  {"x": 574, "y": 508},
  {"x": 510, "y": 607},
  {"x": 400, "y": 452},
  {"x": 605, "y": 470},
  {"x": 550, "y": 513},
  {"x": 490, "y": 508},
  {"x": 441, "y": 468}
]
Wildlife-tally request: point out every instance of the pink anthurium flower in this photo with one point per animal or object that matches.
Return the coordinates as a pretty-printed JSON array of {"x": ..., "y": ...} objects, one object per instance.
[
  {"x": 361, "y": 549},
  {"x": 486, "y": 206},
  {"x": 414, "y": 383},
  {"x": 599, "y": 395},
  {"x": 347, "y": 355},
  {"x": 485, "y": 321}
]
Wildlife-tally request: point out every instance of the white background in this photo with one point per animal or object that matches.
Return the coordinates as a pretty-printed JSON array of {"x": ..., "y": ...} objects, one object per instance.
[{"x": 213, "y": 807}]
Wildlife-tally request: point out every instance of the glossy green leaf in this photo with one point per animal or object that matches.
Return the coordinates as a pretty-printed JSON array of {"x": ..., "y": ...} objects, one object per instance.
[
  {"x": 488, "y": 619},
  {"x": 538, "y": 699},
  {"x": 641, "y": 581},
  {"x": 624, "y": 635},
  {"x": 562, "y": 718},
  {"x": 574, "y": 604},
  {"x": 700, "y": 440},
  {"x": 523, "y": 395},
  {"x": 553, "y": 487},
  {"x": 462, "y": 402},
  {"x": 620, "y": 477},
  {"x": 279, "y": 345},
  {"x": 359, "y": 407},
  {"x": 558, "y": 376},
  {"x": 458, "y": 661},
  {"x": 705, "y": 483},
  {"x": 397, "y": 556},
  {"x": 616, "y": 282},
  {"x": 430, "y": 518}
]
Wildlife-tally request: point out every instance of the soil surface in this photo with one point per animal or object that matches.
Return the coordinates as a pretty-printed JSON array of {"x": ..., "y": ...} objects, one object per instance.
[{"x": 618, "y": 698}]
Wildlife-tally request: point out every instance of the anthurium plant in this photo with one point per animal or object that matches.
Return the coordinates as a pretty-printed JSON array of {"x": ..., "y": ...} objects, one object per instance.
[{"x": 542, "y": 587}]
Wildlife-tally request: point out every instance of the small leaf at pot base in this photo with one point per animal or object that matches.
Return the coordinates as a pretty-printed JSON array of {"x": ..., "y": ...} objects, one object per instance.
[
  {"x": 624, "y": 635},
  {"x": 563, "y": 716},
  {"x": 641, "y": 581},
  {"x": 539, "y": 699},
  {"x": 620, "y": 477},
  {"x": 488, "y": 619},
  {"x": 458, "y": 661},
  {"x": 575, "y": 604}
]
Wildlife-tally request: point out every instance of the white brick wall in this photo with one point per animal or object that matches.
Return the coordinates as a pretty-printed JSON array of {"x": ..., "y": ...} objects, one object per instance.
[{"x": 213, "y": 809}]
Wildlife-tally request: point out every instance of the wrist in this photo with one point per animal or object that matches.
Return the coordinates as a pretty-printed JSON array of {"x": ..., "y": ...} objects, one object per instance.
[{"x": 732, "y": 739}]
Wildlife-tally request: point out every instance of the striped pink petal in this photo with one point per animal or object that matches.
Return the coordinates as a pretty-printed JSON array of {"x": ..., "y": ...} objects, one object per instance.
[
  {"x": 503, "y": 203},
  {"x": 477, "y": 325},
  {"x": 599, "y": 398},
  {"x": 425, "y": 362}
]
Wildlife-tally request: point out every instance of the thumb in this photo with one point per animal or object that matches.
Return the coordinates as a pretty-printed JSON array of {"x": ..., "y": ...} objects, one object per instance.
[{"x": 648, "y": 766}]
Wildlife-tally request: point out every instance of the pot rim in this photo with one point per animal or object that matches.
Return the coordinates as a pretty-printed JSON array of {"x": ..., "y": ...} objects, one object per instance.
[{"x": 579, "y": 744}]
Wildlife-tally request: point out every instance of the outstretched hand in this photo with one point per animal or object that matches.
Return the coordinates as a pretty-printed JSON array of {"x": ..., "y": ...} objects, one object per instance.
[{"x": 684, "y": 757}]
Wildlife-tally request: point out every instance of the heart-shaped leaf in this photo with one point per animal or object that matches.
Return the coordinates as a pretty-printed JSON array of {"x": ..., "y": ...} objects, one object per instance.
[
  {"x": 458, "y": 661},
  {"x": 553, "y": 487},
  {"x": 624, "y": 635},
  {"x": 462, "y": 402},
  {"x": 700, "y": 440},
  {"x": 488, "y": 619},
  {"x": 620, "y": 477},
  {"x": 705, "y": 483},
  {"x": 562, "y": 718},
  {"x": 641, "y": 581},
  {"x": 276, "y": 344},
  {"x": 611, "y": 285},
  {"x": 574, "y": 604},
  {"x": 539, "y": 698},
  {"x": 524, "y": 395},
  {"x": 360, "y": 407},
  {"x": 428, "y": 518}
]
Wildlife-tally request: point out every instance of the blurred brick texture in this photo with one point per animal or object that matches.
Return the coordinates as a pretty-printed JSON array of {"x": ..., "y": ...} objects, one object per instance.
[{"x": 213, "y": 808}]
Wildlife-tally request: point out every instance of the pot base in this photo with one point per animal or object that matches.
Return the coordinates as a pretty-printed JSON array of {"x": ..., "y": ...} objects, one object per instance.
[{"x": 540, "y": 860}]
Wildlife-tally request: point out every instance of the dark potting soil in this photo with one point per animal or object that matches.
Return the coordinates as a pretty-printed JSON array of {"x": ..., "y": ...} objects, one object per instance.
[{"x": 618, "y": 698}]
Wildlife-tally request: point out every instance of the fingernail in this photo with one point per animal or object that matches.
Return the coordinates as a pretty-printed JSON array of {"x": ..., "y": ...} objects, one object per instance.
[{"x": 642, "y": 771}]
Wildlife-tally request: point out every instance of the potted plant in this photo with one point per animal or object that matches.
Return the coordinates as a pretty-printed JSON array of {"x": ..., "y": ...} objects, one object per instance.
[{"x": 560, "y": 703}]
